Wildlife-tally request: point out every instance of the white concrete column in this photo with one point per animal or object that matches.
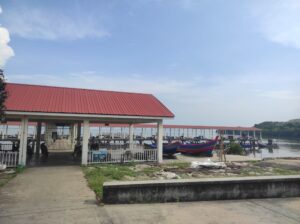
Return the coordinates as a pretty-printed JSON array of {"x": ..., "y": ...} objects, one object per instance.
[
  {"x": 131, "y": 136},
  {"x": 85, "y": 142},
  {"x": 254, "y": 134},
  {"x": 73, "y": 135},
  {"x": 23, "y": 141},
  {"x": 159, "y": 141},
  {"x": 38, "y": 137}
]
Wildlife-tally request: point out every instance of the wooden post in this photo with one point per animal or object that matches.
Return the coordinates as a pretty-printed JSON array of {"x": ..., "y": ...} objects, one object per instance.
[{"x": 221, "y": 147}]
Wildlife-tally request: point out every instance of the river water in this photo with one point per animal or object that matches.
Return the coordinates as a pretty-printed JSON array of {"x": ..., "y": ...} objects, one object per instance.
[{"x": 287, "y": 148}]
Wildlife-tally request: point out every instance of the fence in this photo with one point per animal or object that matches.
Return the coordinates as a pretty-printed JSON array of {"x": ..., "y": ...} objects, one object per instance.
[
  {"x": 6, "y": 146},
  {"x": 121, "y": 155},
  {"x": 9, "y": 158}
]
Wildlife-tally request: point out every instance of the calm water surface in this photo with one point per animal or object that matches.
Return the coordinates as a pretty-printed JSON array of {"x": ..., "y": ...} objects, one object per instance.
[{"x": 287, "y": 148}]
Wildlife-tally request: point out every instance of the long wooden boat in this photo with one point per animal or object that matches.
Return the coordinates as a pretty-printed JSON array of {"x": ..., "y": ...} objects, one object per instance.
[
  {"x": 168, "y": 148},
  {"x": 204, "y": 148}
]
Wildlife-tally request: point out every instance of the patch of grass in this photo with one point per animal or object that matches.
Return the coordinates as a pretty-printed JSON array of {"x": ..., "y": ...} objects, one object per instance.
[
  {"x": 97, "y": 175},
  {"x": 282, "y": 171},
  {"x": 150, "y": 170},
  {"x": 20, "y": 169}
]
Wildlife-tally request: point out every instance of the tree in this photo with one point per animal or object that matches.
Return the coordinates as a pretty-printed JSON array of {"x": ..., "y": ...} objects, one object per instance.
[{"x": 3, "y": 94}]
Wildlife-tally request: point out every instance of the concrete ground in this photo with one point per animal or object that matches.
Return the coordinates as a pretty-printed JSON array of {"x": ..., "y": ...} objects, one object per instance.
[{"x": 60, "y": 195}]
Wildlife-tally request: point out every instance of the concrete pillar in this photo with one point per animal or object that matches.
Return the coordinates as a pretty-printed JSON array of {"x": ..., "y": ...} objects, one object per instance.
[
  {"x": 38, "y": 137},
  {"x": 159, "y": 142},
  {"x": 85, "y": 142},
  {"x": 73, "y": 135},
  {"x": 6, "y": 131},
  {"x": 112, "y": 134},
  {"x": 254, "y": 135},
  {"x": 23, "y": 141},
  {"x": 131, "y": 136}
]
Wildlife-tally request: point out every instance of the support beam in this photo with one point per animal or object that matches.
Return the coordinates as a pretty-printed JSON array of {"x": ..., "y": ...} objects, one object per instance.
[
  {"x": 23, "y": 141},
  {"x": 38, "y": 137},
  {"x": 85, "y": 142},
  {"x": 131, "y": 136},
  {"x": 159, "y": 143}
]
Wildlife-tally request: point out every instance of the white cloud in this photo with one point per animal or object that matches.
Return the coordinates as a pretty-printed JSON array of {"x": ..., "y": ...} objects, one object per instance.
[
  {"x": 34, "y": 23},
  {"x": 6, "y": 51},
  {"x": 279, "y": 21}
]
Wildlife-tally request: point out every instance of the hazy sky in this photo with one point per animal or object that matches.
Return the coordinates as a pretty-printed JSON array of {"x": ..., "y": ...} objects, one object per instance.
[{"x": 214, "y": 62}]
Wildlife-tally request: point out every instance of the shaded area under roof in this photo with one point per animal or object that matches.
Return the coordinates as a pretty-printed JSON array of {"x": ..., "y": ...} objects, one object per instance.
[{"x": 172, "y": 126}]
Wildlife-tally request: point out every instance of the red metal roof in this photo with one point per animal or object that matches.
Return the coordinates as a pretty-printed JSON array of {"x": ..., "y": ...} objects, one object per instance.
[{"x": 50, "y": 99}]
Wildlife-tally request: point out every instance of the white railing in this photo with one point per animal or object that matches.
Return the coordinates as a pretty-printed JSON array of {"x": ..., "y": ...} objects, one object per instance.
[
  {"x": 104, "y": 155},
  {"x": 9, "y": 158},
  {"x": 6, "y": 147}
]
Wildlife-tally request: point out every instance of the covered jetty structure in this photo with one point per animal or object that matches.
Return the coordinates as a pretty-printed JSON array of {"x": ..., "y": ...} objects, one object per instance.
[{"x": 53, "y": 108}]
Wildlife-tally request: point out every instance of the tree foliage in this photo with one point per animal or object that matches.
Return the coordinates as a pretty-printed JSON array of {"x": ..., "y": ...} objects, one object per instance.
[
  {"x": 289, "y": 129},
  {"x": 3, "y": 94}
]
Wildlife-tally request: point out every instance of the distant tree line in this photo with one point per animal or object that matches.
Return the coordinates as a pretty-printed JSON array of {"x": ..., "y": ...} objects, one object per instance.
[{"x": 284, "y": 130}]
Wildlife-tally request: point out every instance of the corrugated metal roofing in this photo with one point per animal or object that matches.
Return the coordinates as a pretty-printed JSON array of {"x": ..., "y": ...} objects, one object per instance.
[{"x": 50, "y": 99}]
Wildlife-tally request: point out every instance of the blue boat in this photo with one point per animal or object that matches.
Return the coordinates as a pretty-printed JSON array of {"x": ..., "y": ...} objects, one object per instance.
[
  {"x": 168, "y": 148},
  {"x": 205, "y": 148}
]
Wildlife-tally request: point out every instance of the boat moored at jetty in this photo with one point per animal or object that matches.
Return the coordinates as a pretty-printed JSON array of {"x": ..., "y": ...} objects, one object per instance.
[{"x": 204, "y": 148}]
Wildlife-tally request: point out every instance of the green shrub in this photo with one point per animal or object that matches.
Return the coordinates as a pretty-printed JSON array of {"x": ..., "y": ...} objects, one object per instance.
[{"x": 235, "y": 149}]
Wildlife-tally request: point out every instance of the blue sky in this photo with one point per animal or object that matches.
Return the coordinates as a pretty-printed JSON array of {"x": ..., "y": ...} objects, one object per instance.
[{"x": 215, "y": 62}]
